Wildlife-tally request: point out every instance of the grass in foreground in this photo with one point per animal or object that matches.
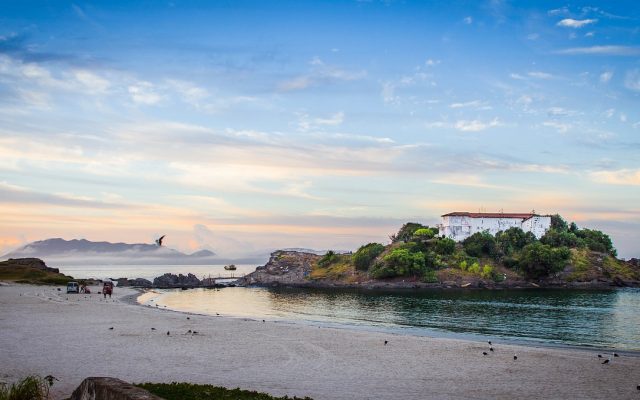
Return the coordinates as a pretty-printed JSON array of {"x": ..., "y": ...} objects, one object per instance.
[
  {"x": 30, "y": 388},
  {"x": 189, "y": 391}
]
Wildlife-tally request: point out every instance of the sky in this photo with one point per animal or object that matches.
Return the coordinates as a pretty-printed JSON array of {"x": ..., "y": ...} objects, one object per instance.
[{"x": 243, "y": 126}]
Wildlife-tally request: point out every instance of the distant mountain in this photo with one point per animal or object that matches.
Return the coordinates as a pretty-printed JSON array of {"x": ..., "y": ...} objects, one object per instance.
[{"x": 86, "y": 252}]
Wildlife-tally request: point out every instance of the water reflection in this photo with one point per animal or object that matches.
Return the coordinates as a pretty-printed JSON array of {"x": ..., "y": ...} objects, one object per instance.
[{"x": 590, "y": 318}]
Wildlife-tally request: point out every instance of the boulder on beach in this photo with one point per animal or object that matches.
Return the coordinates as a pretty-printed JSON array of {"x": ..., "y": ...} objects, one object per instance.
[{"x": 171, "y": 280}]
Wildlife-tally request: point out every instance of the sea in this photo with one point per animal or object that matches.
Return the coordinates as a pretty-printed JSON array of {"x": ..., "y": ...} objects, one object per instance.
[{"x": 602, "y": 319}]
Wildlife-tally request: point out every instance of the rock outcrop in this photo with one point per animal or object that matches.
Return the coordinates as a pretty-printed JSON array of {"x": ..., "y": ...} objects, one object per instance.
[
  {"x": 138, "y": 282},
  {"x": 171, "y": 280},
  {"x": 35, "y": 263},
  {"x": 110, "y": 389},
  {"x": 284, "y": 267}
]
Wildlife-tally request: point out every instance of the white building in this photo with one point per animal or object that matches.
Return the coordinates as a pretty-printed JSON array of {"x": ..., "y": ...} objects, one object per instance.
[{"x": 460, "y": 225}]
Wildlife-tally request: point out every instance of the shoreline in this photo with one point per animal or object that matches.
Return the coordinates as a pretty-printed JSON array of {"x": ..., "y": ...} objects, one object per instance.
[
  {"x": 70, "y": 338},
  {"x": 404, "y": 330}
]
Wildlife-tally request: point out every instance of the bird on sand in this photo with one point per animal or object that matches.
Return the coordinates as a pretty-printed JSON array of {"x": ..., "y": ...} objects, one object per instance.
[
  {"x": 606, "y": 361},
  {"x": 189, "y": 331},
  {"x": 111, "y": 328},
  {"x": 188, "y": 318},
  {"x": 490, "y": 348},
  {"x": 484, "y": 353},
  {"x": 616, "y": 355},
  {"x": 599, "y": 355},
  {"x": 638, "y": 387},
  {"x": 385, "y": 342},
  {"x": 153, "y": 329},
  {"x": 195, "y": 332},
  {"x": 515, "y": 357},
  {"x": 262, "y": 320},
  {"x": 168, "y": 333},
  {"x": 489, "y": 341}
]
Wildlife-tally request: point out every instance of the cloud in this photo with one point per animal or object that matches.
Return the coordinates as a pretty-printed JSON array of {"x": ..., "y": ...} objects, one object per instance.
[
  {"x": 618, "y": 177},
  {"x": 335, "y": 119},
  {"x": 320, "y": 73},
  {"x": 144, "y": 93},
  {"x": 431, "y": 63},
  {"x": 533, "y": 36},
  {"x": 13, "y": 194},
  {"x": 602, "y": 51},
  {"x": 539, "y": 75},
  {"x": 574, "y": 23},
  {"x": 606, "y": 76},
  {"x": 475, "y": 125},
  {"x": 471, "y": 104},
  {"x": 468, "y": 20},
  {"x": 560, "y": 112},
  {"x": 561, "y": 127},
  {"x": 632, "y": 80},
  {"x": 559, "y": 11}
]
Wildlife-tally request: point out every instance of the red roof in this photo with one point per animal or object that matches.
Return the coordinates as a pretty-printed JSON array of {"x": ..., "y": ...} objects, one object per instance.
[{"x": 490, "y": 215}]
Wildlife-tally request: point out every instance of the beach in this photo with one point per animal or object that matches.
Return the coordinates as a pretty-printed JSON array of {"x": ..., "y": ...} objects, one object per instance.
[{"x": 45, "y": 331}]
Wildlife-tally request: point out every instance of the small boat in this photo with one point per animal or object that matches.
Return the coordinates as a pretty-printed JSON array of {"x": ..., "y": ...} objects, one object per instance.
[{"x": 230, "y": 267}]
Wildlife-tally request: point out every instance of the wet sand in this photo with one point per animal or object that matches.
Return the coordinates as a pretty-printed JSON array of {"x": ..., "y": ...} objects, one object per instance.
[{"x": 44, "y": 331}]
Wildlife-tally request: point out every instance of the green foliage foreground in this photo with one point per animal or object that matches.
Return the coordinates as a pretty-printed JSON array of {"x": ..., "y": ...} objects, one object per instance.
[
  {"x": 190, "y": 391},
  {"x": 30, "y": 388}
]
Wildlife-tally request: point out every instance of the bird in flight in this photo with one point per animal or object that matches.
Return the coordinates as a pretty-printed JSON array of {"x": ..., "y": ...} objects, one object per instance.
[{"x": 159, "y": 240}]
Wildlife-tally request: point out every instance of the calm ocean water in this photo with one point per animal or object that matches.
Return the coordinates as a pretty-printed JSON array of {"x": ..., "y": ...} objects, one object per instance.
[
  {"x": 149, "y": 271},
  {"x": 601, "y": 319}
]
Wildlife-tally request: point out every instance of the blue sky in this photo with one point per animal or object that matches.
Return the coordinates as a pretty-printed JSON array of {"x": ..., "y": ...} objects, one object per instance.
[{"x": 249, "y": 125}]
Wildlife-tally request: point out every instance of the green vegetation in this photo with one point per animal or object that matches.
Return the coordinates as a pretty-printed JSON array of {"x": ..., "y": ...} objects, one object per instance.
[
  {"x": 538, "y": 260},
  {"x": 30, "y": 388},
  {"x": 480, "y": 244},
  {"x": 329, "y": 258},
  {"x": 417, "y": 253},
  {"x": 27, "y": 274},
  {"x": 190, "y": 391},
  {"x": 365, "y": 255}
]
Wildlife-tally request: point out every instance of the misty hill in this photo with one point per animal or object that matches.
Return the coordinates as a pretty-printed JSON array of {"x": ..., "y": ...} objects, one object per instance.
[{"x": 88, "y": 252}]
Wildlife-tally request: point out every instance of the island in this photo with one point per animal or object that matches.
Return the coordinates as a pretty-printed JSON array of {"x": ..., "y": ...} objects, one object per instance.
[{"x": 565, "y": 256}]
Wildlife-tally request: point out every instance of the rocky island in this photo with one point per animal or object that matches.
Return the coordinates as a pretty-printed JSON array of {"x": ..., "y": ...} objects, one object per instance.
[{"x": 565, "y": 257}]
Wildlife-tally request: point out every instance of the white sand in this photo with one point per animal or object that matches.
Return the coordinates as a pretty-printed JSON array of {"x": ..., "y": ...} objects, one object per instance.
[{"x": 41, "y": 332}]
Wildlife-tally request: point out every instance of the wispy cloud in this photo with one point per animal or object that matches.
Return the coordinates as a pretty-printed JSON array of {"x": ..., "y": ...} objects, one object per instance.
[
  {"x": 561, "y": 127},
  {"x": 540, "y": 75},
  {"x": 618, "y": 177},
  {"x": 320, "y": 73},
  {"x": 144, "y": 93},
  {"x": 602, "y": 51},
  {"x": 575, "y": 23},
  {"x": 632, "y": 80},
  {"x": 606, "y": 76},
  {"x": 478, "y": 104},
  {"x": 468, "y": 20},
  {"x": 475, "y": 125}
]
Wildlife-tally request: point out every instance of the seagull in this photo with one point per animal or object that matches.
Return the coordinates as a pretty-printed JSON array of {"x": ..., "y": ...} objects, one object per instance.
[
  {"x": 484, "y": 353},
  {"x": 606, "y": 361},
  {"x": 489, "y": 341},
  {"x": 153, "y": 329},
  {"x": 188, "y": 318},
  {"x": 111, "y": 328},
  {"x": 515, "y": 357},
  {"x": 385, "y": 342},
  {"x": 195, "y": 332},
  {"x": 159, "y": 240},
  {"x": 490, "y": 348},
  {"x": 168, "y": 333},
  {"x": 616, "y": 355},
  {"x": 599, "y": 355}
]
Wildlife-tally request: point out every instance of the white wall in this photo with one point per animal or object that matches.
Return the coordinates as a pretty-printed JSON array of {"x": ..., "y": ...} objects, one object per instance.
[{"x": 459, "y": 227}]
